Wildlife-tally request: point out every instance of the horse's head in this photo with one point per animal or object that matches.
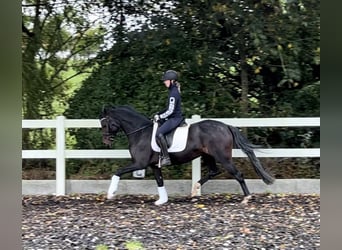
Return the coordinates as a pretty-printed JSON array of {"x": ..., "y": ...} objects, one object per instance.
[
  {"x": 109, "y": 126},
  {"x": 114, "y": 118}
]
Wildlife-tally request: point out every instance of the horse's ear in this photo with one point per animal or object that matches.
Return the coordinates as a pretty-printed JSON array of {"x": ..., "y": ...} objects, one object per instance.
[{"x": 105, "y": 108}]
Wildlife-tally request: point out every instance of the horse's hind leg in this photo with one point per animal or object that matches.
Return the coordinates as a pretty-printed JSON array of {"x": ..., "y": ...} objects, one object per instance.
[
  {"x": 213, "y": 170},
  {"x": 230, "y": 167}
]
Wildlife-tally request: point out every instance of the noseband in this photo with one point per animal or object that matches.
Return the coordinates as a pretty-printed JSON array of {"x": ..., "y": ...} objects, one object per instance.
[{"x": 107, "y": 133}]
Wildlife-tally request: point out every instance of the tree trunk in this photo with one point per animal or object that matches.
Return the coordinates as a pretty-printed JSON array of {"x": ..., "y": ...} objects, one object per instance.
[{"x": 244, "y": 86}]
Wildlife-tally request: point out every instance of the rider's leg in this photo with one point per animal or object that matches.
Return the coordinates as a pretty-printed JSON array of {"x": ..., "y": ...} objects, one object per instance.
[{"x": 165, "y": 158}]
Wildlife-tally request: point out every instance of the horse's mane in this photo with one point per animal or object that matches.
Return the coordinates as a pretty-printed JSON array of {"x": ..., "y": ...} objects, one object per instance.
[{"x": 126, "y": 108}]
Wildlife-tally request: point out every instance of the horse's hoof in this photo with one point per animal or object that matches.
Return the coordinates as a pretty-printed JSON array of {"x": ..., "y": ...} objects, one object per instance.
[
  {"x": 160, "y": 202},
  {"x": 246, "y": 199},
  {"x": 195, "y": 189},
  {"x": 194, "y": 193},
  {"x": 110, "y": 196}
]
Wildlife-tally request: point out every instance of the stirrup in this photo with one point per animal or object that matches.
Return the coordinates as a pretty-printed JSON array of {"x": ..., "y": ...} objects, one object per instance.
[{"x": 164, "y": 161}]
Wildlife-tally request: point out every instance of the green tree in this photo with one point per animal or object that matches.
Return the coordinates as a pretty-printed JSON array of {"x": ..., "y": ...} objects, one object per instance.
[
  {"x": 57, "y": 44},
  {"x": 254, "y": 58},
  {"x": 235, "y": 59}
]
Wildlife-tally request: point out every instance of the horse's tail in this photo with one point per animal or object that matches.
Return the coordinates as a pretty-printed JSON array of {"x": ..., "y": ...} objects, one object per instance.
[{"x": 241, "y": 142}]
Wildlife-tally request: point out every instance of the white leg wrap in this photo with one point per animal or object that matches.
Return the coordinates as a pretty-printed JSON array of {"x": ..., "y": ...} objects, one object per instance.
[
  {"x": 162, "y": 196},
  {"x": 113, "y": 187},
  {"x": 195, "y": 189}
]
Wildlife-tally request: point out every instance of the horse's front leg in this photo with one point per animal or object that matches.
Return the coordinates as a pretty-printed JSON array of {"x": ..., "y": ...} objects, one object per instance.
[
  {"x": 113, "y": 187},
  {"x": 114, "y": 184},
  {"x": 163, "y": 198}
]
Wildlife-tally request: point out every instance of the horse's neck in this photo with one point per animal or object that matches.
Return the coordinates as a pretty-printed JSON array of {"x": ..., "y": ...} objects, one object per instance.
[
  {"x": 130, "y": 126},
  {"x": 131, "y": 120},
  {"x": 140, "y": 139}
]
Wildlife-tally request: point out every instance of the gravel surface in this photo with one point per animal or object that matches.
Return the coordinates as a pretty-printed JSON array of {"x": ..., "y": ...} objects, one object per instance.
[{"x": 220, "y": 221}]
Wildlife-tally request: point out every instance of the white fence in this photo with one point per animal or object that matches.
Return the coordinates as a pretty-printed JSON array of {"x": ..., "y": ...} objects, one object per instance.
[{"x": 61, "y": 153}]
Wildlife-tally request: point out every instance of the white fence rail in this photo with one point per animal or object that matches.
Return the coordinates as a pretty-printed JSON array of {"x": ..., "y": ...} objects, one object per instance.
[{"x": 61, "y": 124}]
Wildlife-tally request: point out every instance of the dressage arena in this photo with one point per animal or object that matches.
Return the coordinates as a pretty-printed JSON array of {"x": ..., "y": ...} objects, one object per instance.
[
  {"x": 287, "y": 218},
  {"x": 210, "y": 221}
]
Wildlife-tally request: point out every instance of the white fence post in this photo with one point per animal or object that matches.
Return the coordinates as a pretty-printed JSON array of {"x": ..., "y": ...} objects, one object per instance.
[
  {"x": 196, "y": 163},
  {"x": 60, "y": 155}
]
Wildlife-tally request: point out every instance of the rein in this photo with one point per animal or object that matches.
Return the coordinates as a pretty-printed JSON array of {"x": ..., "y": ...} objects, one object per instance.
[
  {"x": 132, "y": 132},
  {"x": 137, "y": 130}
]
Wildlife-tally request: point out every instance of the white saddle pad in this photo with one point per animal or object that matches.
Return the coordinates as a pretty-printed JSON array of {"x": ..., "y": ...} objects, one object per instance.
[{"x": 180, "y": 138}]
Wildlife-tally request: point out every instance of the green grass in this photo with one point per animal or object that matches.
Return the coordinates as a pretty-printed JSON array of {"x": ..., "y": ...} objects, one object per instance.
[
  {"x": 134, "y": 245},
  {"x": 129, "y": 245},
  {"x": 101, "y": 247}
]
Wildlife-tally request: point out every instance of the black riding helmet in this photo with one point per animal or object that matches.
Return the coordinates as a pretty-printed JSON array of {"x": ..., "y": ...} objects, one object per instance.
[{"x": 170, "y": 75}]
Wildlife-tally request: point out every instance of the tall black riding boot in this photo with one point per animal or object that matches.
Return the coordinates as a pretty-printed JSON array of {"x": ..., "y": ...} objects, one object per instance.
[{"x": 165, "y": 159}]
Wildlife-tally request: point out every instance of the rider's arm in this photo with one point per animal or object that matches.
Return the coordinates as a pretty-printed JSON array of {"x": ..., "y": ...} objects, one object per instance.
[{"x": 170, "y": 109}]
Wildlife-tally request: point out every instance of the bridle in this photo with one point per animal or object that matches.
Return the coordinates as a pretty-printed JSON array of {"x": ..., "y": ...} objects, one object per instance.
[{"x": 107, "y": 134}]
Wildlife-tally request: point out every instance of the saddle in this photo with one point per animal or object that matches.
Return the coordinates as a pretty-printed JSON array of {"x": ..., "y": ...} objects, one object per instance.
[
  {"x": 169, "y": 136},
  {"x": 176, "y": 139}
]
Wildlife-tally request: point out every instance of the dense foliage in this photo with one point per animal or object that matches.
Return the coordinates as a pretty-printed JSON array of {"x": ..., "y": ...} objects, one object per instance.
[{"x": 253, "y": 58}]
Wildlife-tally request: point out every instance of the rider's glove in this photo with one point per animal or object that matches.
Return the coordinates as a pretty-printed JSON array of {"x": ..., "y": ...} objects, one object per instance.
[{"x": 156, "y": 118}]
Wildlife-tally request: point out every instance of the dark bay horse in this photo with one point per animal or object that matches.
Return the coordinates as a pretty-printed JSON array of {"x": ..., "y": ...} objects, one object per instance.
[{"x": 210, "y": 139}]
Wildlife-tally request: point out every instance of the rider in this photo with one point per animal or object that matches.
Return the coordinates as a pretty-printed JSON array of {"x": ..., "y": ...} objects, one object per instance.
[{"x": 171, "y": 117}]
